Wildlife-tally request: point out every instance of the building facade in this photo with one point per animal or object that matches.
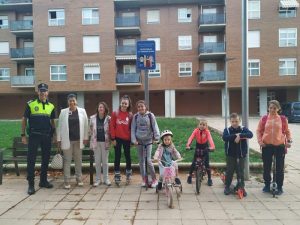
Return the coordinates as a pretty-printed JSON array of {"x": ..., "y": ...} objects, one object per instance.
[{"x": 89, "y": 48}]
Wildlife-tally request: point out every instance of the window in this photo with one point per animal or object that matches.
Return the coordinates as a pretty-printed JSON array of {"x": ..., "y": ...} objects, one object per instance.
[
  {"x": 157, "y": 43},
  {"x": 210, "y": 66},
  {"x": 184, "y": 42},
  {"x": 4, "y": 74},
  {"x": 287, "y": 12},
  {"x": 254, "y": 39},
  {"x": 91, "y": 71},
  {"x": 90, "y": 16},
  {"x": 91, "y": 44},
  {"x": 57, "y": 44},
  {"x": 253, "y": 67},
  {"x": 29, "y": 71},
  {"x": 253, "y": 9},
  {"x": 127, "y": 69},
  {"x": 58, "y": 73},
  {"x": 287, "y": 66},
  {"x": 288, "y": 37},
  {"x": 155, "y": 72},
  {"x": 56, "y": 17},
  {"x": 184, "y": 15},
  {"x": 153, "y": 16},
  {"x": 3, "y": 22},
  {"x": 129, "y": 42},
  {"x": 185, "y": 69},
  {"x": 4, "y": 48}
]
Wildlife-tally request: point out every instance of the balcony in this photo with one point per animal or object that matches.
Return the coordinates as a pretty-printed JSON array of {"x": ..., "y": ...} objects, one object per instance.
[
  {"x": 211, "y": 50},
  {"x": 127, "y": 26},
  {"x": 124, "y": 52},
  {"x": 22, "y": 81},
  {"x": 128, "y": 79},
  {"x": 213, "y": 22},
  {"x": 211, "y": 77},
  {"x": 16, "y": 5},
  {"x": 22, "y": 54},
  {"x": 22, "y": 28}
]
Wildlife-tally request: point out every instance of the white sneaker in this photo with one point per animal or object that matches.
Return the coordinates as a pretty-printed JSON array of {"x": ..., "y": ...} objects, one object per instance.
[
  {"x": 107, "y": 182},
  {"x": 67, "y": 186},
  {"x": 143, "y": 184},
  {"x": 79, "y": 183},
  {"x": 154, "y": 183},
  {"x": 97, "y": 183}
]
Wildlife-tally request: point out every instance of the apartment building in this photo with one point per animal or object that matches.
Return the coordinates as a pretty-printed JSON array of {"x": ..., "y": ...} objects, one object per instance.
[{"x": 88, "y": 48}]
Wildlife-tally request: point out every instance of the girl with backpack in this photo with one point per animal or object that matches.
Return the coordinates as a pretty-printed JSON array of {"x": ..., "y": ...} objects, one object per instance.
[{"x": 273, "y": 136}]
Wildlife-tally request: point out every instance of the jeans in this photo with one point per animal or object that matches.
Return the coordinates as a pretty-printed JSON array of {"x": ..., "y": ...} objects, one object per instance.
[
  {"x": 238, "y": 165},
  {"x": 118, "y": 147},
  {"x": 101, "y": 160}
]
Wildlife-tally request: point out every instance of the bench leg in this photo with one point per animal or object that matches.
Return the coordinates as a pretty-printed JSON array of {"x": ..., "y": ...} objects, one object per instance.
[
  {"x": 91, "y": 167},
  {"x": 1, "y": 166},
  {"x": 17, "y": 168}
]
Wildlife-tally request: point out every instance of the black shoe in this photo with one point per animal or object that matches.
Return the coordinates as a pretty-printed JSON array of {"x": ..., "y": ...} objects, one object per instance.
[
  {"x": 244, "y": 192},
  {"x": 177, "y": 181},
  {"x": 209, "y": 182},
  {"x": 31, "y": 190},
  {"x": 266, "y": 188},
  {"x": 159, "y": 185},
  {"x": 189, "y": 179},
  {"x": 227, "y": 190},
  {"x": 279, "y": 191},
  {"x": 46, "y": 185}
]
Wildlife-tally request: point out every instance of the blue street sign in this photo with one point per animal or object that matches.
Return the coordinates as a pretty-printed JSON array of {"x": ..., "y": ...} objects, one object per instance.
[{"x": 145, "y": 55}]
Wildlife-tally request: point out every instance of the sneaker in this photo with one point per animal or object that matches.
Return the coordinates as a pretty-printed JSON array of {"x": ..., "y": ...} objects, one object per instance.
[
  {"x": 189, "y": 179},
  {"x": 67, "y": 186},
  {"x": 79, "y": 183},
  {"x": 159, "y": 185},
  {"x": 143, "y": 184},
  {"x": 177, "y": 181},
  {"x": 154, "y": 183},
  {"x": 266, "y": 188},
  {"x": 279, "y": 191},
  {"x": 107, "y": 182},
  {"x": 97, "y": 183},
  {"x": 244, "y": 192},
  {"x": 226, "y": 190},
  {"x": 209, "y": 182},
  {"x": 46, "y": 185}
]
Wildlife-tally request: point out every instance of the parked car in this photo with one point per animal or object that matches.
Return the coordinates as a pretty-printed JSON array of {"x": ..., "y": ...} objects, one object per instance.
[{"x": 292, "y": 111}]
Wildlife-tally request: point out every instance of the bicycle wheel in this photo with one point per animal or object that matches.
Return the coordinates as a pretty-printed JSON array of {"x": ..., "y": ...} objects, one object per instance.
[
  {"x": 169, "y": 196},
  {"x": 199, "y": 178}
]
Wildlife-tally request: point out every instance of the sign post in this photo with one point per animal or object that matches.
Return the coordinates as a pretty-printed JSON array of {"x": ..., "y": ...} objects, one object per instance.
[{"x": 145, "y": 60}]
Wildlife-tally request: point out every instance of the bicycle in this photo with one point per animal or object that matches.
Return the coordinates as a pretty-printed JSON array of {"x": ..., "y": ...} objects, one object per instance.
[{"x": 168, "y": 184}]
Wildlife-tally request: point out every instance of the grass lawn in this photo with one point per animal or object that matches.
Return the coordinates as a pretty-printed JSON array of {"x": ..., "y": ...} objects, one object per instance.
[{"x": 181, "y": 128}]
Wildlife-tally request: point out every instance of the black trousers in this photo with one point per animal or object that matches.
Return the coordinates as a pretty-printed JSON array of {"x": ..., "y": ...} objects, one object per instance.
[
  {"x": 44, "y": 141},
  {"x": 238, "y": 165},
  {"x": 206, "y": 160},
  {"x": 118, "y": 148},
  {"x": 267, "y": 153}
]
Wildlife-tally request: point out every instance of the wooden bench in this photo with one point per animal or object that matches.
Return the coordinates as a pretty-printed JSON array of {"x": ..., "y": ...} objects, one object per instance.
[{"x": 19, "y": 154}]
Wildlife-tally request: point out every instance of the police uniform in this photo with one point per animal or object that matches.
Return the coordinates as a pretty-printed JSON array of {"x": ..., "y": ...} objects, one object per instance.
[{"x": 40, "y": 131}]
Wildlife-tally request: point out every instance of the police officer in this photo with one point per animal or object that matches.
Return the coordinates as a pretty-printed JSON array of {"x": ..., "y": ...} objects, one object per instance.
[{"x": 40, "y": 115}]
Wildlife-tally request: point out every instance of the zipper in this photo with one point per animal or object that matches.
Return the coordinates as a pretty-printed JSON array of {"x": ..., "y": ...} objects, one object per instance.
[{"x": 273, "y": 130}]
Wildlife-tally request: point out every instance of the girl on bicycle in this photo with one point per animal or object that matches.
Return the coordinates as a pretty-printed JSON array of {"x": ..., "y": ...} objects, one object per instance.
[
  {"x": 203, "y": 141},
  {"x": 165, "y": 153},
  {"x": 144, "y": 131}
]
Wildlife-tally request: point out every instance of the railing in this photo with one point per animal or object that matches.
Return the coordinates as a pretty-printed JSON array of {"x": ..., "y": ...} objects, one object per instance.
[
  {"x": 125, "y": 78},
  {"x": 211, "y": 47},
  {"x": 20, "y": 25},
  {"x": 4, "y": 2},
  {"x": 21, "y": 53},
  {"x": 22, "y": 81},
  {"x": 133, "y": 21},
  {"x": 125, "y": 50},
  {"x": 211, "y": 76},
  {"x": 212, "y": 18}
]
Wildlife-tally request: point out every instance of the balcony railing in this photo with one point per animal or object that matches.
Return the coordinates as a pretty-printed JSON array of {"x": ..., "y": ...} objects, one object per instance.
[
  {"x": 128, "y": 78},
  {"x": 125, "y": 50},
  {"x": 20, "y": 53},
  {"x": 211, "y": 47},
  {"x": 217, "y": 76},
  {"x": 22, "y": 81},
  {"x": 20, "y": 25},
  {"x": 133, "y": 21},
  {"x": 4, "y": 2},
  {"x": 212, "y": 18}
]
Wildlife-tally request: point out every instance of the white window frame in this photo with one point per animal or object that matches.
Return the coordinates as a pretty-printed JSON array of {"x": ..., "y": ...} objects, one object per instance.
[
  {"x": 4, "y": 19},
  {"x": 289, "y": 42},
  {"x": 285, "y": 67},
  {"x": 5, "y": 46},
  {"x": 95, "y": 75},
  {"x": 29, "y": 69},
  {"x": 130, "y": 42},
  {"x": 7, "y": 76},
  {"x": 251, "y": 69},
  {"x": 156, "y": 72},
  {"x": 287, "y": 12},
  {"x": 253, "y": 13},
  {"x": 58, "y": 21},
  {"x": 151, "y": 18},
  {"x": 185, "y": 72},
  {"x": 132, "y": 69},
  {"x": 86, "y": 40},
  {"x": 184, "y": 15},
  {"x": 59, "y": 73},
  {"x": 53, "y": 47},
  {"x": 157, "y": 43},
  {"x": 251, "y": 43},
  {"x": 90, "y": 20},
  {"x": 185, "y": 42}
]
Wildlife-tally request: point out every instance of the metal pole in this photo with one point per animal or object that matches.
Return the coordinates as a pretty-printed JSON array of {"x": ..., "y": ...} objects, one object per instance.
[
  {"x": 226, "y": 94},
  {"x": 245, "y": 87},
  {"x": 1, "y": 165},
  {"x": 147, "y": 88}
]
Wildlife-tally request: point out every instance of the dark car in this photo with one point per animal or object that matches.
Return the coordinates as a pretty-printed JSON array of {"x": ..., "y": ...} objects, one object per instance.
[{"x": 292, "y": 111}]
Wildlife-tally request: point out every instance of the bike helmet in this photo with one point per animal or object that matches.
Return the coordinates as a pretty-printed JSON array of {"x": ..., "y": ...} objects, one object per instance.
[{"x": 166, "y": 132}]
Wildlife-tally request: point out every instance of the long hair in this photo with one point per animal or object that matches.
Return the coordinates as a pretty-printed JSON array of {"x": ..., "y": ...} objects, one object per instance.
[
  {"x": 106, "y": 112},
  {"x": 126, "y": 97}
]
